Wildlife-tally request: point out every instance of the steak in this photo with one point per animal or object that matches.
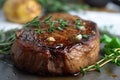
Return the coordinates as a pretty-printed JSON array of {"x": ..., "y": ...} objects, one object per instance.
[{"x": 72, "y": 43}]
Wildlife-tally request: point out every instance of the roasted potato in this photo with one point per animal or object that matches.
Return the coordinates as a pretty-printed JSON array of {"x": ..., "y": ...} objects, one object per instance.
[{"x": 21, "y": 11}]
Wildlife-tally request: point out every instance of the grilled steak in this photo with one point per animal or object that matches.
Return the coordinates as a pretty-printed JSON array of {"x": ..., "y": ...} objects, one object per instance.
[{"x": 70, "y": 44}]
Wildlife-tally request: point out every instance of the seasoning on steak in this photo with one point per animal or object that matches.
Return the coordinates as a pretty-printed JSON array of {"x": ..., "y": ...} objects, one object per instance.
[{"x": 60, "y": 52}]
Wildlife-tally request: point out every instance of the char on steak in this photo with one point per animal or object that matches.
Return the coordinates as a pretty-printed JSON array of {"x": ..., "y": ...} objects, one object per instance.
[{"x": 73, "y": 43}]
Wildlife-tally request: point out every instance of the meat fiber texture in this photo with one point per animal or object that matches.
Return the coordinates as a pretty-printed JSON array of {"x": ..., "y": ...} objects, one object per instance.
[{"x": 68, "y": 50}]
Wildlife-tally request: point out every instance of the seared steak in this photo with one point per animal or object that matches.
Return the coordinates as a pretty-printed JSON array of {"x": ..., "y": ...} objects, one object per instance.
[{"x": 62, "y": 51}]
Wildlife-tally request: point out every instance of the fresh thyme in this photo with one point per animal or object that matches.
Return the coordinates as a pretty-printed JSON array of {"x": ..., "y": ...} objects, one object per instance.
[
  {"x": 112, "y": 54},
  {"x": 51, "y": 28},
  {"x": 78, "y": 24},
  {"x": 63, "y": 23},
  {"x": 35, "y": 23},
  {"x": 85, "y": 35},
  {"x": 59, "y": 28},
  {"x": 6, "y": 41},
  {"x": 47, "y": 20},
  {"x": 51, "y": 23}
]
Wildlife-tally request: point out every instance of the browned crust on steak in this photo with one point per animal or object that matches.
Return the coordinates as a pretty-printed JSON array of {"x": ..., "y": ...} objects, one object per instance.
[{"x": 33, "y": 53}]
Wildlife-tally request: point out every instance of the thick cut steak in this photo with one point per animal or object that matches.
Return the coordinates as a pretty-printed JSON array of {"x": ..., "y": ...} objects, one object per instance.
[{"x": 60, "y": 52}]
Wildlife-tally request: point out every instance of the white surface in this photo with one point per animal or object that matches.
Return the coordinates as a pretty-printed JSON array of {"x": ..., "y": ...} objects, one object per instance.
[
  {"x": 101, "y": 18},
  {"x": 5, "y": 25}
]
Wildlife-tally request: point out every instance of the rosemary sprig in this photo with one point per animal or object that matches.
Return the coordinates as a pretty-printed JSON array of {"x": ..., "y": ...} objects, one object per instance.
[{"x": 112, "y": 54}]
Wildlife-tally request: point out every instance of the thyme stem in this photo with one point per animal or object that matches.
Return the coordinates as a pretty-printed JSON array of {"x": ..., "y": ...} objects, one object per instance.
[{"x": 104, "y": 61}]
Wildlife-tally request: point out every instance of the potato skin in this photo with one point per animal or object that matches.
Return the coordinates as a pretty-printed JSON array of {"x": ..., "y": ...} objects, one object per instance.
[{"x": 21, "y": 11}]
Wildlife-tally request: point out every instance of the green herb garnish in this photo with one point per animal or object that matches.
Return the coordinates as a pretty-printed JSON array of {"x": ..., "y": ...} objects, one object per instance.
[
  {"x": 51, "y": 23},
  {"x": 85, "y": 35},
  {"x": 112, "y": 54},
  {"x": 78, "y": 24},
  {"x": 62, "y": 22},
  {"x": 51, "y": 28},
  {"x": 34, "y": 23},
  {"x": 47, "y": 20},
  {"x": 6, "y": 40},
  {"x": 59, "y": 28}
]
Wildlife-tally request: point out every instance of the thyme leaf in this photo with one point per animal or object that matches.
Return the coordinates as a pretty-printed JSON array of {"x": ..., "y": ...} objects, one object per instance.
[
  {"x": 82, "y": 71},
  {"x": 85, "y": 35},
  {"x": 35, "y": 22},
  {"x": 47, "y": 20},
  {"x": 62, "y": 22},
  {"x": 59, "y": 28},
  {"x": 78, "y": 24},
  {"x": 51, "y": 28}
]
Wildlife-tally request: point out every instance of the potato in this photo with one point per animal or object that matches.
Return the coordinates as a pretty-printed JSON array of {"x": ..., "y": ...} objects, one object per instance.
[{"x": 21, "y": 11}]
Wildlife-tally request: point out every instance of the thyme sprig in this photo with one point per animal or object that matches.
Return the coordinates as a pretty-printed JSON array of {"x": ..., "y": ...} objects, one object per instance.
[
  {"x": 112, "y": 54},
  {"x": 78, "y": 24},
  {"x": 51, "y": 28},
  {"x": 47, "y": 20},
  {"x": 6, "y": 41},
  {"x": 34, "y": 23},
  {"x": 51, "y": 23},
  {"x": 63, "y": 23}
]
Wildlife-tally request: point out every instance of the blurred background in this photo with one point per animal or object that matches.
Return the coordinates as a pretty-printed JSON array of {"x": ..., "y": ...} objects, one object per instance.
[{"x": 106, "y": 13}]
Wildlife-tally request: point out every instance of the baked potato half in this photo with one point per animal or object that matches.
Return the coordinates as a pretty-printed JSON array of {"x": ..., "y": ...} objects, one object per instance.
[{"x": 21, "y": 11}]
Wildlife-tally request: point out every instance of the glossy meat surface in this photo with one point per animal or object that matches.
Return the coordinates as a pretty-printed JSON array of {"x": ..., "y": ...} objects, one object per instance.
[{"x": 37, "y": 54}]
